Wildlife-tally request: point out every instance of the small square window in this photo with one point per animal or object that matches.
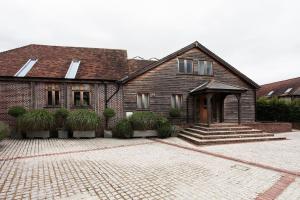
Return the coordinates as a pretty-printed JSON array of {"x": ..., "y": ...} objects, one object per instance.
[
  {"x": 205, "y": 67},
  {"x": 185, "y": 66},
  {"x": 176, "y": 101},
  {"x": 53, "y": 98}
]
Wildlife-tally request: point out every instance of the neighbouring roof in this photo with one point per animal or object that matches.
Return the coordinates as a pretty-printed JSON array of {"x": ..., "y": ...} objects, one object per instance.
[
  {"x": 55, "y": 61},
  {"x": 138, "y": 64},
  {"x": 213, "y": 85},
  {"x": 183, "y": 50},
  {"x": 288, "y": 87}
]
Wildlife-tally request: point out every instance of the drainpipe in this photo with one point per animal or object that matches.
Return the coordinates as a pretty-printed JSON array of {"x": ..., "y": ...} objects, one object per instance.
[{"x": 108, "y": 99}]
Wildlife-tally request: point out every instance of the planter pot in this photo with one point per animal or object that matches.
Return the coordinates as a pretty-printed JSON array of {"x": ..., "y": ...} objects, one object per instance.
[
  {"x": 145, "y": 133},
  {"x": 38, "y": 134},
  {"x": 84, "y": 134},
  {"x": 16, "y": 134},
  {"x": 63, "y": 134},
  {"x": 107, "y": 133}
]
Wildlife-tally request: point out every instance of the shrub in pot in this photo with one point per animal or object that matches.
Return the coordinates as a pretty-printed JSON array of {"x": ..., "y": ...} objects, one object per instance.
[
  {"x": 175, "y": 113},
  {"x": 60, "y": 116},
  {"x": 108, "y": 113},
  {"x": 4, "y": 129},
  {"x": 164, "y": 128},
  {"x": 83, "y": 123},
  {"x": 123, "y": 129},
  {"x": 16, "y": 112},
  {"x": 143, "y": 120},
  {"x": 37, "y": 123}
]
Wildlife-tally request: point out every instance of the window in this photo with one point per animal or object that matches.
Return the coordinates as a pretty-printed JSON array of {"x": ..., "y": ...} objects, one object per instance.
[
  {"x": 73, "y": 68},
  {"x": 205, "y": 67},
  {"x": 53, "y": 98},
  {"x": 26, "y": 67},
  {"x": 185, "y": 66},
  {"x": 270, "y": 93},
  {"x": 81, "y": 98},
  {"x": 176, "y": 101},
  {"x": 142, "y": 100},
  {"x": 288, "y": 90}
]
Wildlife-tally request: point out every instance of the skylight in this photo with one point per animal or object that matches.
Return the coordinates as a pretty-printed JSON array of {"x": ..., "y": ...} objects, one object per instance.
[
  {"x": 72, "y": 71},
  {"x": 270, "y": 93},
  {"x": 288, "y": 90},
  {"x": 26, "y": 68}
]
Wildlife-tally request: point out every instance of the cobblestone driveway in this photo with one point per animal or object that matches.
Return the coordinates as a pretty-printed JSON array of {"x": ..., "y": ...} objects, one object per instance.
[{"x": 135, "y": 169}]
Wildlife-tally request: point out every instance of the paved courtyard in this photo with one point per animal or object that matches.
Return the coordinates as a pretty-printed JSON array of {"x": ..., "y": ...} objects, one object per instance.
[{"x": 149, "y": 169}]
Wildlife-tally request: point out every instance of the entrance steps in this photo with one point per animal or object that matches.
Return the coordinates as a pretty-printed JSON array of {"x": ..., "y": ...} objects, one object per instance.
[{"x": 224, "y": 133}]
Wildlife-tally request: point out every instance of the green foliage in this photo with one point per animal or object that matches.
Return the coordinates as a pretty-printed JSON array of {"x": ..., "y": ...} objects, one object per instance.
[
  {"x": 277, "y": 110},
  {"x": 4, "y": 130},
  {"x": 164, "y": 128},
  {"x": 175, "y": 112},
  {"x": 60, "y": 116},
  {"x": 109, "y": 113},
  {"x": 16, "y": 111},
  {"x": 83, "y": 120},
  {"x": 36, "y": 120},
  {"x": 123, "y": 129},
  {"x": 143, "y": 120}
]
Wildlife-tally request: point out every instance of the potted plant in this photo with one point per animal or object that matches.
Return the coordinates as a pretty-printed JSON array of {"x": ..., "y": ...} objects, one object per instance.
[
  {"x": 60, "y": 116},
  {"x": 37, "y": 123},
  {"x": 83, "y": 123},
  {"x": 108, "y": 113},
  {"x": 144, "y": 124},
  {"x": 123, "y": 129},
  {"x": 16, "y": 112}
]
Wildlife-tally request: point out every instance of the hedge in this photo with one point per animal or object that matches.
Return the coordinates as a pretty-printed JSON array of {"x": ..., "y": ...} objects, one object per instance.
[{"x": 277, "y": 110}]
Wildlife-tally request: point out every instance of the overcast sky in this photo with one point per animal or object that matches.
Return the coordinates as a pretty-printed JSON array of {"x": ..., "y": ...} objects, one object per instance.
[{"x": 260, "y": 38}]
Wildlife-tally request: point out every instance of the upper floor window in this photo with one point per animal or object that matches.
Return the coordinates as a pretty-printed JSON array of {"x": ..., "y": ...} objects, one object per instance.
[
  {"x": 205, "y": 67},
  {"x": 185, "y": 66},
  {"x": 53, "y": 96},
  {"x": 176, "y": 101},
  {"x": 142, "y": 100}
]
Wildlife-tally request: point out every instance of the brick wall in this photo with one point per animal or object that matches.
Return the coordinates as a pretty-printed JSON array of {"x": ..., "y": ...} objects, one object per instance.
[
  {"x": 34, "y": 95},
  {"x": 272, "y": 127}
]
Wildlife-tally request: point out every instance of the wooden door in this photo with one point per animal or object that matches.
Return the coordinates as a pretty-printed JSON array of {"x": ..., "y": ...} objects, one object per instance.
[{"x": 203, "y": 110}]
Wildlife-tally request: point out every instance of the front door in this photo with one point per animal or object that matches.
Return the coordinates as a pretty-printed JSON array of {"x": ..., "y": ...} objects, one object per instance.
[{"x": 203, "y": 109}]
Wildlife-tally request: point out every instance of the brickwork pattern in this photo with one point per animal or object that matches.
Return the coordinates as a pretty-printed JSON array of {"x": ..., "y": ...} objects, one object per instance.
[{"x": 139, "y": 169}]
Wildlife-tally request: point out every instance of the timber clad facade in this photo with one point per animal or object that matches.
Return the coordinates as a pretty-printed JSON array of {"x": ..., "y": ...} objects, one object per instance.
[{"x": 106, "y": 78}]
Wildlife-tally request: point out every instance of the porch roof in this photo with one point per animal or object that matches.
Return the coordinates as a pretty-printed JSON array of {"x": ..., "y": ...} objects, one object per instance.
[{"x": 216, "y": 86}]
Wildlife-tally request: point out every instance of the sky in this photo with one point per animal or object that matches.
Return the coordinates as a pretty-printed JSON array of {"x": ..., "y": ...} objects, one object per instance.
[{"x": 261, "y": 38}]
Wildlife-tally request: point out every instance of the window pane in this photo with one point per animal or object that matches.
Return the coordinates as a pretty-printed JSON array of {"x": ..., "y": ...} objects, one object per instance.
[
  {"x": 209, "y": 68},
  {"x": 139, "y": 100},
  {"x": 50, "y": 103},
  {"x": 178, "y": 101},
  {"x": 201, "y": 67},
  {"x": 145, "y": 100},
  {"x": 77, "y": 98},
  {"x": 173, "y": 101},
  {"x": 181, "y": 66},
  {"x": 189, "y": 66},
  {"x": 56, "y": 97},
  {"x": 86, "y": 98}
]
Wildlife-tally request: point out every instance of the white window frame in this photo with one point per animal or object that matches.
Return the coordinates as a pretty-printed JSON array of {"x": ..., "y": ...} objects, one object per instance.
[
  {"x": 185, "y": 61},
  {"x": 205, "y": 73},
  {"x": 141, "y": 105},
  {"x": 176, "y": 101}
]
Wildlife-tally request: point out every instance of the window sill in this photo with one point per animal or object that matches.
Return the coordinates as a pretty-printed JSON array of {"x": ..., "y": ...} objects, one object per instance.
[
  {"x": 58, "y": 106},
  {"x": 81, "y": 107},
  {"x": 194, "y": 74},
  {"x": 143, "y": 109}
]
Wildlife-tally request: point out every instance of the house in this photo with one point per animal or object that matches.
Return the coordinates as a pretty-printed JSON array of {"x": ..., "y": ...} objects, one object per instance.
[
  {"x": 205, "y": 87},
  {"x": 287, "y": 90}
]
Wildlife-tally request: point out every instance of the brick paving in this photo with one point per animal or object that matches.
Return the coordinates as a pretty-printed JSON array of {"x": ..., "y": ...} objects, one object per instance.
[{"x": 128, "y": 169}]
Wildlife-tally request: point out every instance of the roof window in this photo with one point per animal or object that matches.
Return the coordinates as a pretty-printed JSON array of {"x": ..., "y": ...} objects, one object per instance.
[
  {"x": 288, "y": 90},
  {"x": 26, "y": 67},
  {"x": 72, "y": 71},
  {"x": 270, "y": 93}
]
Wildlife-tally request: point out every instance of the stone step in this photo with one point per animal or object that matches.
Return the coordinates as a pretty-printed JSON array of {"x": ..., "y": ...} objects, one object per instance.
[
  {"x": 218, "y": 124},
  {"x": 208, "y": 137},
  {"x": 204, "y": 128},
  {"x": 223, "y": 132},
  {"x": 198, "y": 141}
]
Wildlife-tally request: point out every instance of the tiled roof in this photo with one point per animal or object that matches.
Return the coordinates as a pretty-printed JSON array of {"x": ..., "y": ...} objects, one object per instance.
[
  {"x": 214, "y": 85},
  {"x": 54, "y": 62},
  {"x": 280, "y": 87},
  {"x": 138, "y": 64}
]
